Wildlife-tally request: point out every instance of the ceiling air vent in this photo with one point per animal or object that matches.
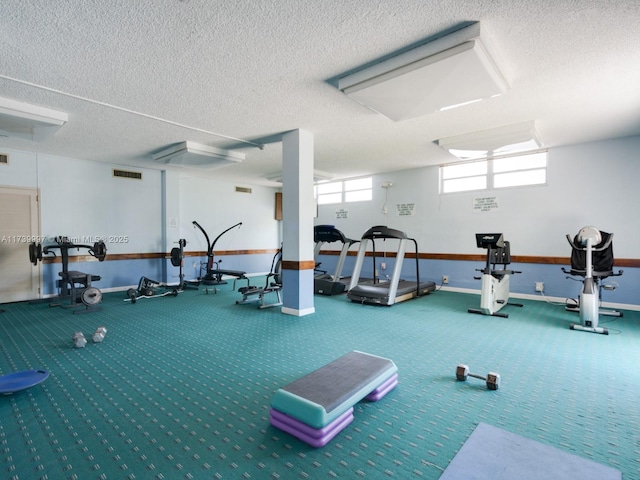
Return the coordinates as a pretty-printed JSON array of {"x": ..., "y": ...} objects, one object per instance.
[
  {"x": 243, "y": 189},
  {"x": 4, "y": 159},
  {"x": 127, "y": 174}
]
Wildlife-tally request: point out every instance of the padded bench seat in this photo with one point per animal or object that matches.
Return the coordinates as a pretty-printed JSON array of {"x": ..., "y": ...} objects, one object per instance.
[
  {"x": 78, "y": 277},
  {"x": 319, "y": 405},
  {"x": 217, "y": 274}
]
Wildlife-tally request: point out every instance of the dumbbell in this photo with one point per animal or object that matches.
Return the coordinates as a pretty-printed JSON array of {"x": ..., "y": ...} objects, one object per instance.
[{"x": 492, "y": 378}]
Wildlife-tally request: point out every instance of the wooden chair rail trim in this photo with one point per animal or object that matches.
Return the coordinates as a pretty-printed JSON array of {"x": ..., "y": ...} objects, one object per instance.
[
  {"x": 298, "y": 265},
  {"x": 619, "y": 262},
  {"x": 145, "y": 256},
  {"x": 309, "y": 264}
]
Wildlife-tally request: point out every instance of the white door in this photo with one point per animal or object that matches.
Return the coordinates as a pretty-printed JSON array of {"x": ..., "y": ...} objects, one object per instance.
[{"x": 19, "y": 225}]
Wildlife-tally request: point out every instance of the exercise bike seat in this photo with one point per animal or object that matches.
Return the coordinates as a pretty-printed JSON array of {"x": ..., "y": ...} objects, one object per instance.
[{"x": 602, "y": 257}]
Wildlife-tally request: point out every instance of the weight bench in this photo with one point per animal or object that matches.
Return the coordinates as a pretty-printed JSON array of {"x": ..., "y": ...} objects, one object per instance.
[
  {"x": 257, "y": 294},
  {"x": 214, "y": 278},
  {"x": 316, "y": 407},
  {"x": 76, "y": 287}
]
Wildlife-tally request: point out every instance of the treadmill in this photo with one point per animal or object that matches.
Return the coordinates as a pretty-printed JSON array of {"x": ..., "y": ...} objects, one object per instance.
[
  {"x": 394, "y": 290},
  {"x": 325, "y": 283}
]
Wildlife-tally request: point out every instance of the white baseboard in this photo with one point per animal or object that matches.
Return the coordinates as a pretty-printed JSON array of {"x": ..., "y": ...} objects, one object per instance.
[
  {"x": 296, "y": 312},
  {"x": 543, "y": 298}
]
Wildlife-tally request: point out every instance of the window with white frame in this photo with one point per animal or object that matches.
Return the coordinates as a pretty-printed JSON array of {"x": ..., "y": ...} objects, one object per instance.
[
  {"x": 495, "y": 173},
  {"x": 358, "y": 190}
]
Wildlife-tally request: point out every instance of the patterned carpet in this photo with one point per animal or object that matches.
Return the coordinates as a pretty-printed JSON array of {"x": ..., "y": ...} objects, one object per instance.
[{"x": 181, "y": 387}]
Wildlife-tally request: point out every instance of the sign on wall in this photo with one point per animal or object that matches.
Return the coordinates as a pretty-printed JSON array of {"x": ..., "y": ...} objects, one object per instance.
[
  {"x": 406, "y": 209},
  {"x": 485, "y": 204},
  {"x": 342, "y": 213}
]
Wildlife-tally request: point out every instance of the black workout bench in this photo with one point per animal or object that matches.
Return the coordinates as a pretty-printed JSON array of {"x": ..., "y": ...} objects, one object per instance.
[{"x": 214, "y": 278}]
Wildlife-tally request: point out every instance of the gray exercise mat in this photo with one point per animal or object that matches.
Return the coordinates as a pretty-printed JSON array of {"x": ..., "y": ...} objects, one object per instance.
[{"x": 491, "y": 453}]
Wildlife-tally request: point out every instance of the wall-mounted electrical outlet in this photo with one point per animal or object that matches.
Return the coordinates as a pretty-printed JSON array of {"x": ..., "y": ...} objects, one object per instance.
[
  {"x": 445, "y": 279},
  {"x": 539, "y": 286}
]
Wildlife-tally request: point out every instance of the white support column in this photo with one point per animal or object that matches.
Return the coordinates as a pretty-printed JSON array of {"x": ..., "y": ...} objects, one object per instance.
[
  {"x": 298, "y": 207},
  {"x": 170, "y": 203}
]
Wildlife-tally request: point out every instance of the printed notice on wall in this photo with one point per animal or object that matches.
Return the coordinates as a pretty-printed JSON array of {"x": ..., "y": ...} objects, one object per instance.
[
  {"x": 342, "y": 213},
  {"x": 485, "y": 204},
  {"x": 406, "y": 209}
]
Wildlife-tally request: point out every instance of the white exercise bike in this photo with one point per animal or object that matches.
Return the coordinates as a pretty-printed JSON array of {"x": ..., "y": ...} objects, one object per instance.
[
  {"x": 495, "y": 281},
  {"x": 592, "y": 258}
]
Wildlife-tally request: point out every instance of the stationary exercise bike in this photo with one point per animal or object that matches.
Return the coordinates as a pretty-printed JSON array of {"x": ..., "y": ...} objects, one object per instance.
[
  {"x": 495, "y": 281},
  {"x": 591, "y": 258}
]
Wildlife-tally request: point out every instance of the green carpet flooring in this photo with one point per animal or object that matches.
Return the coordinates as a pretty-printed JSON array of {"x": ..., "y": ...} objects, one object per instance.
[{"x": 181, "y": 387}]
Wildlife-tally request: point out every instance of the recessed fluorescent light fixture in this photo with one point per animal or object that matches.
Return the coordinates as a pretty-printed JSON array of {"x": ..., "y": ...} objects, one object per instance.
[
  {"x": 318, "y": 177},
  {"x": 190, "y": 154},
  {"x": 451, "y": 107},
  {"x": 509, "y": 139},
  {"x": 33, "y": 122},
  {"x": 450, "y": 71}
]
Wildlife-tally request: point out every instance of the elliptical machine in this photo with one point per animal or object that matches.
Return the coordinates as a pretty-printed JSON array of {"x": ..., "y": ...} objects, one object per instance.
[
  {"x": 591, "y": 258},
  {"x": 495, "y": 282}
]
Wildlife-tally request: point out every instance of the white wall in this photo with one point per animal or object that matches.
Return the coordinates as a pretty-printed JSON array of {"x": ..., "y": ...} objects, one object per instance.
[
  {"x": 588, "y": 184},
  {"x": 82, "y": 199},
  {"x": 216, "y": 206},
  {"x": 21, "y": 171}
]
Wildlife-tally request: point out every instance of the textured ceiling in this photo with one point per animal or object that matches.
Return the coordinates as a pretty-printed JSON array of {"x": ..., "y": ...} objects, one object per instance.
[{"x": 253, "y": 69}]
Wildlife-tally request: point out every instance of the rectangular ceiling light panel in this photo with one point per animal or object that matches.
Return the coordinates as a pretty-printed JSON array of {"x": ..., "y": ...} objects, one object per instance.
[
  {"x": 318, "y": 177},
  {"x": 504, "y": 140},
  {"x": 33, "y": 122},
  {"x": 192, "y": 154},
  {"x": 423, "y": 81}
]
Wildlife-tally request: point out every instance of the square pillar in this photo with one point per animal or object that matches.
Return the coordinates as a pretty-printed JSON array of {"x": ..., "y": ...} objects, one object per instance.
[{"x": 298, "y": 207}]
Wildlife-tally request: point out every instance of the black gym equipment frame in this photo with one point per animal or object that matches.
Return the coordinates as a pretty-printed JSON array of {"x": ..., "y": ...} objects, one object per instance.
[
  {"x": 325, "y": 283},
  {"x": 148, "y": 288},
  {"x": 273, "y": 284},
  {"x": 74, "y": 287},
  {"x": 213, "y": 275}
]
